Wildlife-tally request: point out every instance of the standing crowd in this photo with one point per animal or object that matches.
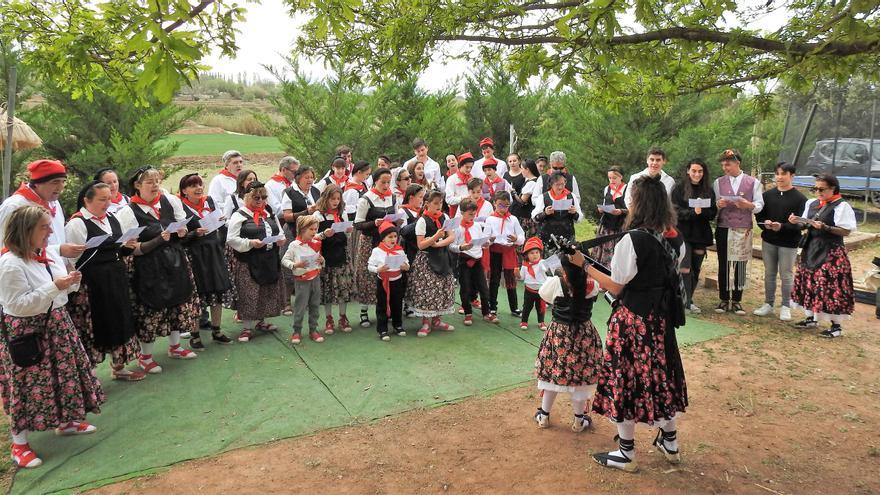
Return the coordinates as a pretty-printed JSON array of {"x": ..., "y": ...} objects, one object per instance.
[{"x": 400, "y": 239}]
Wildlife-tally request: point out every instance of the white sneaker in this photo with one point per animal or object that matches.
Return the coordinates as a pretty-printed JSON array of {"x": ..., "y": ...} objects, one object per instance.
[
  {"x": 542, "y": 418},
  {"x": 785, "y": 313},
  {"x": 764, "y": 310},
  {"x": 694, "y": 309}
]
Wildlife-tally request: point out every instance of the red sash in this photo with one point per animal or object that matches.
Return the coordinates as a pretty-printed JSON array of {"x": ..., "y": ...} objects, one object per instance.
[
  {"x": 388, "y": 275},
  {"x": 32, "y": 196}
]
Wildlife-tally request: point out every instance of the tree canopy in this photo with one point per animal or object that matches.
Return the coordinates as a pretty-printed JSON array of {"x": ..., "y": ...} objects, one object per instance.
[{"x": 621, "y": 48}]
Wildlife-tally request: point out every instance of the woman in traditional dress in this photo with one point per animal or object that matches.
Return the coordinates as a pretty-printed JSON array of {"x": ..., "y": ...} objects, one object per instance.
[
  {"x": 555, "y": 222},
  {"x": 117, "y": 199},
  {"x": 642, "y": 378},
  {"x": 372, "y": 208},
  {"x": 164, "y": 299},
  {"x": 46, "y": 377},
  {"x": 205, "y": 250},
  {"x": 694, "y": 223},
  {"x": 101, "y": 308},
  {"x": 823, "y": 284},
  {"x": 610, "y": 221},
  {"x": 261, "y": 288},
  {"x": 233, "y": 204}
]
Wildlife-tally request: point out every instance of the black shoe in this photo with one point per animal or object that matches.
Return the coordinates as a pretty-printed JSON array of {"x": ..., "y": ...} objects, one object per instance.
[
  {"x": 365, "y": 319},
  {"x": 218, "y": 336},
  {"x": 384, "y": 336},
  {"x": 516, "y": 312},
  {"x": 723, "y": 307},
  {"x": 737, "y": 308},
  {"x": 806, "y": 323},
  {"x": 195, "y": 343},
  {"x": 399, "y": 332},
  {"x": 833, "y": 332}
]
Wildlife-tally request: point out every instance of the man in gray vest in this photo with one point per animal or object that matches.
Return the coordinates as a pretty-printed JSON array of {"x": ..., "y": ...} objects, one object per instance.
[{"x": 739, "y": 197}]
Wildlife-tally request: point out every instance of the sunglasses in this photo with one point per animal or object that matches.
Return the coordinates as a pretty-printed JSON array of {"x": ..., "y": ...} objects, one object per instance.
[
  {"x": 558, "y": 168},
  {"x": 819, "y": 189},
  {"x": 263, "y": 198},
  {"x": 403, "y": 178}
]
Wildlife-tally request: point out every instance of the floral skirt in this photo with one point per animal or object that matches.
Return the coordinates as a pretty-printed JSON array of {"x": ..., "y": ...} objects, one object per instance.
[
  {"x": 429, "y": 294},
  {"x": 570, "y": 355},
  {"x": 211, "y": 298},
  {"x": 603, "y": 252},
  {"x": 153, "y": 323},
  {"x": 364, "y": 281},
  {"x": 337, "y": 283},
  {"x": 256, "y": 301},
  {"x": 230, "y": 297},
  {"x": 80, "y": 312},
  {"x": 828, "y": 290},
  {"x": 641, "y": 378},
  {"x": 61, "y": 388},
  {"x": 529, "y": 226}
]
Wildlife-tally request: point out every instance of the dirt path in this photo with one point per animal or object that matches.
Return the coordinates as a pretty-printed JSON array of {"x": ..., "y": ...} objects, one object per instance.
[{"x": 772, "y": 410}]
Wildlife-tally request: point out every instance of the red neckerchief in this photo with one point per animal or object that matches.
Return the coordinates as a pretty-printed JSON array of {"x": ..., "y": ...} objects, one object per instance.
[
  {"x": 565, "y": 192},
  {"x": 387, "y": 275},
  {"x": 314, "y": 244},
  {"x": 40, "y": 257},
  {"x": 227, "y": 173},
  {"x": 335, "y": 213},
  {"x": 830, "y": 200},
  {"x": 259, "y": 213},
  {"x": 383, "y": 195},
  {"x": 357, "y": 186},
  {"x": 670, "y": 233},
  {"x": 530, "y": 267},
  {"x": 466, "y": 225},
  {"x": 435, "y": 217},
  {"x": 199, "y": 207},
  {"x": 282, "y": 179},
  {"x": 32, "y": 196},
  {"x": 463, "y": 179},
  {"x": 339, "y": 182},
  {"x": 616, "y": 193},
  {"x": 480, "y": 203},
  {"x": 490, "y": 184},
  {"x": 152, "y": 204},
  {"x": 503, "y": 219},
  {"x": 449, "y": 173},
  {"x": 400, "y": 192},
  {"x": 94, "y": 217},
  {"x": 118, "y": 199}
]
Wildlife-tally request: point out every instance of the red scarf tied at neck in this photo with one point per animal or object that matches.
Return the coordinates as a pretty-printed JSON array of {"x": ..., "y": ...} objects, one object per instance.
[
  {"x": 152, "y": 204},
  {"x": 201, "y": 207},
  {"x": 356, "y": 186},
  {"x": 339, "y": 182},
  {"x": 260, "y": 213},
  {"x": 490, "y": 184},
  {"x": 832, "y": 199},
  {"x": 435, "y": 217},
  {"x": 227, "y": 173},
  {"x": 335, "y": 213},
  {"x": 503, "y": 218},
  {"x": 118, "y": 199},
  {"x": 388, "y": 275},
  {"x": 382, "y": 195},
  {"x": 463, "y": 178},
  {"x": 616, "y": 192},
  {"x": 562, "y": 195},
  {"x": 32, "y": 196},
  {"x": 38, "y": 256},
  {"x": 280, "y": 178}
]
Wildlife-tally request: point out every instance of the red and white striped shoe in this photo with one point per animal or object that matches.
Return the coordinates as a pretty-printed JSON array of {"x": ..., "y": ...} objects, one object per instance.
[
  {"x": 24, "y": 457},
  {"x": 542, "y": 326},
  {"x": 178, "y": 352},
  {"x": 425, "y": 330},
  {"x": 146, "y": 363},
  {"x": 75, "y": 428},
  {"x": 438, "y": 324}
]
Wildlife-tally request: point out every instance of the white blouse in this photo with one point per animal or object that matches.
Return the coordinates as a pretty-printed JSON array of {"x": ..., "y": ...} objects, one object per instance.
[
  {"x": 127, "y": 220},
  {"x": 16, "y": 201},
  {"x": 363, "y": 206},
  {"x": 76, "y": 230},
  {"x": 477, "y": 230},
  {"x": 233, "y": 232},
  {"x": 220, "y": 187},
  {"x": 511, "y": 227},
  {"x": 540, "y": 275},
  {"x": 377, "y": 259},
  {"x": 844, "y": 216},
  {"x": 552, "y": 288},
  {"x": 27, "y": 288}
]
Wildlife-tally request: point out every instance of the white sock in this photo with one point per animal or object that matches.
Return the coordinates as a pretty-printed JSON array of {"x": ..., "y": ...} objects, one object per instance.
[
  {"x": 364, "y": 308},
  {"x": 669, "y": 427},
  {"x": 626, "y": 431},
  {"x": 342, "y": 308},
  {"x": 547, "y": 400},
  {"x": 20, "y": 438},
  {"x": 174, "y": 338},
  {"x": 578, "y": 406},
  {"x": 328, "y": 309},
  {"x": 248, "y": 324},
  {"x": 147, "y": 349}
]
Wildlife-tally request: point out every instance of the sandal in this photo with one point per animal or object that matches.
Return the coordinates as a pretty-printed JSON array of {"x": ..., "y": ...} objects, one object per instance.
[
  {"x": 124, "y": 375},
  {"x": 621, "y": 462},
  {"x": 660, "y": 442},
  {"x": 24, "y": 457},
  {"x": 265, "y": 327}
]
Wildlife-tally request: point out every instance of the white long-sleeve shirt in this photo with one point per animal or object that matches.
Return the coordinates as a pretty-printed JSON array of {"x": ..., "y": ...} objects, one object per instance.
[
  {"x": 483, "y": 210},
  {"x": 455, "y": 191},
  {"x": 535, "y": 282},
  {"x": 666, "y": 179},
  {"x": 220, "y": 187},
  {"x": 27, "y": 288},
  {"x": 538, "y": 201},
  {"x": 233, "y": 231},
  {"x": 552, "y": 288},
  {"x": 844, "y": 216},
  {"x": 757, "y": 190},
  {"x": 16, "y": 201},
  {"x": 275, "y": 190},
  {"x": 511, "y": 226},
  {"x": 377, "y": 259},
  {"x": 477, "y": 171},
  {"x": 127, "y": 220},
  {"x": 77, "y": 232},
  {"x": 296, "y": 251},
  {"x": 476, "y": 230}
]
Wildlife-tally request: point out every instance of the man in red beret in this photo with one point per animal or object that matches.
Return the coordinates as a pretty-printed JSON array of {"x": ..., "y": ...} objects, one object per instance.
[
  {"x": 487, "y": 147},
  {"x": 47, "y": 180}
]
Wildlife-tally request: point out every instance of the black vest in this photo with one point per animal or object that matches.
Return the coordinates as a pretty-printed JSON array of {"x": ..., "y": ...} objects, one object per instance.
[
  {"x": 817, "y": 243},
  {"x": 108, "y": 251},
  {"x": 263, "y": 264},
  {"x": 649, "y": 290},
  {"x": 560, "y": 223},
  {"x": 299, "y": 202},
  {"x": 408, "y": 240},
  {"x": 575, "y": 307},
  {"x": 518, "y": 209},
  {"x": 608, "y": 220},
  {"x": 438, "y": 258},
  {"x": 335, "y": 248},
  {"x": 375, "y": 213}
]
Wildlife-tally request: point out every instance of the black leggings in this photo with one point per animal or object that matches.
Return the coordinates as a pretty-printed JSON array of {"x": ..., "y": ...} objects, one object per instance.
[
  {"x": 532, "y": 299},
  {"x": 693, "y": 260},
  {"x": 398, "y": 289},
  {"x": 472, "y": 281}
]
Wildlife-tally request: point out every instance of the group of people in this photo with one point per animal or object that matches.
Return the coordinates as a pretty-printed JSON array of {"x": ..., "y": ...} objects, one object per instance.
[{"x": 125, "y": 270}]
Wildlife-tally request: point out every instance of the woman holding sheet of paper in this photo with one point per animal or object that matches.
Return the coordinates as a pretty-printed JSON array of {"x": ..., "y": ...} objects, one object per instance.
[
  {"x": 694, "y": 203},
  {"x": 261, "y": 288},
  {"x": 612, "y": 213},
  {"x": 205, "y": 250},
  {"x": 555, "y": 212},
  {"x": 101, "y": 308},
  {"x": 163, "y": 297}
]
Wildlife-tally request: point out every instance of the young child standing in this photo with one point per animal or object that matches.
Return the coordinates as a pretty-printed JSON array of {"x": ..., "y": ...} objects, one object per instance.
[
  {"x": 493, "y": 182},
  {"x": 475, "y": 194},
  {"x": 391, "y": 286},
  {"x": 507, "y": 235},
  {"x": 337, "y": 277},
  {"x": 306, "y": 276},
  {"x": 570, "y": 356},
  {"x": 471, "y": 276},
  {"x": 430, "y": 292},
  {"x": 533, "y": 273}
]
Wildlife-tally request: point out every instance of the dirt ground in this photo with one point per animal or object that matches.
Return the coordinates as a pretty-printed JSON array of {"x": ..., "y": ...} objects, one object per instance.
[{"x": 772, "y": 410}]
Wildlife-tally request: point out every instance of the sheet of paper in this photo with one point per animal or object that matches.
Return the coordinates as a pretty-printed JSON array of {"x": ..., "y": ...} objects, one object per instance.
[
  {"x": 802, "y": 220},
  {"x": 562, "y": 204},
  {"x": 553, "y": 263},
  {"x": 130, "y": 234},
  {"x": 395, "y": 261},
  {"x": 479, "y": 241},
  {"x": 731, "y": 199},
  {"x": 451, "y": 224},
  {"x": 310, "y": 259},
  {"x": 604, "y": 208},
  {"x": 212, "y": 221},
  {"x": 273, "y": 238},
  {"x": 96, "y": 241},
  {"x": 341, "y": 226},
  {"x": 175, "y": 226},
  {"x": 480, "y": 219},
  {"x": 699, "y": 203},
  {"x": 393, "y": 217}
]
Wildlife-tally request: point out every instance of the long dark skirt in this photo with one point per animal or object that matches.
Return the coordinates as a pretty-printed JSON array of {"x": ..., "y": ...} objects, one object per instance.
[
  {"x": 230, "y": 297},
  {"x": 641, "y": 378},
  {"x": 153, "y": 323},
  {"x": 80, "y": 309},
  {"x": 364, "y": 281},
  {"x": 828, "y": 290},
  {"x": 210, "y": 272},
  {"x": 61, "y": 388}
]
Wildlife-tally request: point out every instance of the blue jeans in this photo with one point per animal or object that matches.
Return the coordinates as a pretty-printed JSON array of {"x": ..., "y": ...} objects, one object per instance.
[{"x": 778, "y": 260}]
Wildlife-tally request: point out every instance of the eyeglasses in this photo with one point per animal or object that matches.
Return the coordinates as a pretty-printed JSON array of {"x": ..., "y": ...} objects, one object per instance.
[
  {"x": 558, "y": 168},
  {"x": 402, "y": 178},
  {"x": 259, "y": 198},
  {"x": 818, "y": 189}
]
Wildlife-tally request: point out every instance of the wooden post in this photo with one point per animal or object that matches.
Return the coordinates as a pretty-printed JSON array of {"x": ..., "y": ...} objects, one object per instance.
[{"x": 10, "y": 115}]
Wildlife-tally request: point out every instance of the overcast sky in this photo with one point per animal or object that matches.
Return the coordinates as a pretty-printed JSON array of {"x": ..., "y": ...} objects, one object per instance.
[{"x": 269, "y": 33}]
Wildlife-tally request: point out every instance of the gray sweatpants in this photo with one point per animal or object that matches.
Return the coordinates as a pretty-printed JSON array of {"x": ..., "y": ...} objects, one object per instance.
[
  {"x": 778, "y": 260},
  {"x": 307, "y": 297}
]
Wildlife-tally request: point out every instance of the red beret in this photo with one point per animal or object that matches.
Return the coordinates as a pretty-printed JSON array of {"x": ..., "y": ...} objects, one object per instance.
[
  {"x": 533, "y": 243},
  {"x": 386, "y": 228},
  {"x": 464, "y": 158},
  {"x": 46, "y": 170},
  {"x": 487, "y": 141},
  {"x": 490, "y": 162}
]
